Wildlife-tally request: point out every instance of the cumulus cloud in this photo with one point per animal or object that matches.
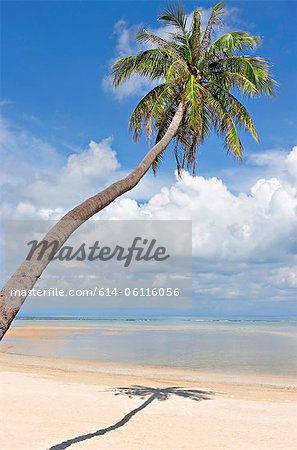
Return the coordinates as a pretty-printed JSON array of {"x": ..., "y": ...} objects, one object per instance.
[
  {"x": 244, "y": 243},
  {"x": 256, "y": 226},
  {"x": 50, "y": 191},
  {"x": 47, "y": 186},
  {"x": 291, "y": 165}
]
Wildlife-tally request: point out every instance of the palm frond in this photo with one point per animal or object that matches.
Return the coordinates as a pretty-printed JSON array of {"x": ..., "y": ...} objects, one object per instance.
[
  {"x": 193, "y": 103},
  {"x": 249, "y": 73},
  {"x": 222, "y": 119},
  {"x": 141, "y": 114},
  {"x": 161, "y": 102},
  {"x": 213, "y": 20},
  {"x": 156, "y": 163},
  {"x": 175, "y": 15},
  {"x": 228, "y": 44},
  {"x": 178, "y": 73},
  {"x": 232, "y": 140},
  {"x": 238, "y": 111},
  {"x": 235, "y": 40},
  {"x": 195, "y": 36},
  {"x": 147, "y": 37},
  {"x": 152, "y": 64}
]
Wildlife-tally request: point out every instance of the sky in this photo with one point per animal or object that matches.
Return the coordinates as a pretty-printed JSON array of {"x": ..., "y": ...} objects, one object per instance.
[{"x": 64, "y": 135}]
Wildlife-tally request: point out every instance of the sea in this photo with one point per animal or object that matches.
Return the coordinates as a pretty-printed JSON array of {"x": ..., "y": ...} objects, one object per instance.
[{"x": 266, "y": 346}]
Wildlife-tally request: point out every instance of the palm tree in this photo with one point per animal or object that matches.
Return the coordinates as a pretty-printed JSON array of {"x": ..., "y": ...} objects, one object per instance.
[{"x": 197, "y": 77}]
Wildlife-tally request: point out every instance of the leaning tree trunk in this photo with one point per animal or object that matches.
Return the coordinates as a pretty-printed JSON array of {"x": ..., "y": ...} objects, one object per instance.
[{"x": 30, "y": 270}]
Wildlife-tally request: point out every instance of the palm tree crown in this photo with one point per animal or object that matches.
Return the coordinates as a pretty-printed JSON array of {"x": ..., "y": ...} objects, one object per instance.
[{"x": 203, "y": 74}]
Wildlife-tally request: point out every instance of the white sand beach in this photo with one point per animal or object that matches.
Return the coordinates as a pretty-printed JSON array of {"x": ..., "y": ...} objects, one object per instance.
[{"x": 51, "y": 403}]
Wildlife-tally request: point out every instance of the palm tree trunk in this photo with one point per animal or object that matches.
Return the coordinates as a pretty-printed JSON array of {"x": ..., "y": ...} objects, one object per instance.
[{"x": 30, "y": 270}]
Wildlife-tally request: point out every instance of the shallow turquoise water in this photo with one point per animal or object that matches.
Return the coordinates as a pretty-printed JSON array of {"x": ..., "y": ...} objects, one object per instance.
[{"x": 212, "y": 345}]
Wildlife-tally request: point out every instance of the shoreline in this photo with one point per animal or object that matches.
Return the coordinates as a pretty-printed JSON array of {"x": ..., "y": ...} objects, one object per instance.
[
  {"x": 44, "y": 336},
  {"x": 88, "y": 371}
]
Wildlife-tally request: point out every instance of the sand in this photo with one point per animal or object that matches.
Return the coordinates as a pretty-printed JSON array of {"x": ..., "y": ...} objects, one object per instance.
[
  {"x": 91, "y": 405},
  {"x": 51, "y": 403}
]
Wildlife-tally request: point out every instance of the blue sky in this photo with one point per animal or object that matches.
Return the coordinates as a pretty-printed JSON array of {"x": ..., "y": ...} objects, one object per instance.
[
  {"x": 54, "y": 64},
  {"x": 56, "y": 98}
]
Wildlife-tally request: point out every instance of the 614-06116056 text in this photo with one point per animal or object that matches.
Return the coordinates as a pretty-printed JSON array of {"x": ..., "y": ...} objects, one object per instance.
[{"x": 98, "y": 291}]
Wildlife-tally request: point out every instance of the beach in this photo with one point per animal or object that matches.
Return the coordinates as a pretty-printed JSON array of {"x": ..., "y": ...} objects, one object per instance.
[
  {"x": 148, "y": 226},
  {"x": 49, "y": 402},
  {"x": 46, "y": 402}
]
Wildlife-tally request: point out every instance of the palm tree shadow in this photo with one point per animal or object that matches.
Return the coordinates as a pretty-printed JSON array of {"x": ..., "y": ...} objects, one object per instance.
[{"x": 143, "y": 392}]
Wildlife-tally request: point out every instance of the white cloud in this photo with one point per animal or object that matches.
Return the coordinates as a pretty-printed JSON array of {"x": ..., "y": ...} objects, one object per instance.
[
  {"x": 241, "y": 241},
  {"x": 261, "y": 164},
  {"x": 257, "y": 226},
  {"x": 285, "y": 277},
  {"x": 46, "y": 187},
  {"x": 52, "y": 190},
  {"x": 291, "y": 165},
  {"x": 127, "y": 45},
  {"x": 76, "y": 180},
  {"x": 270, "y": 159},
  {"x": 136, "y": 86},
  {"x": 244, "y": 245},
  {"x": 98, "y": 161}
]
